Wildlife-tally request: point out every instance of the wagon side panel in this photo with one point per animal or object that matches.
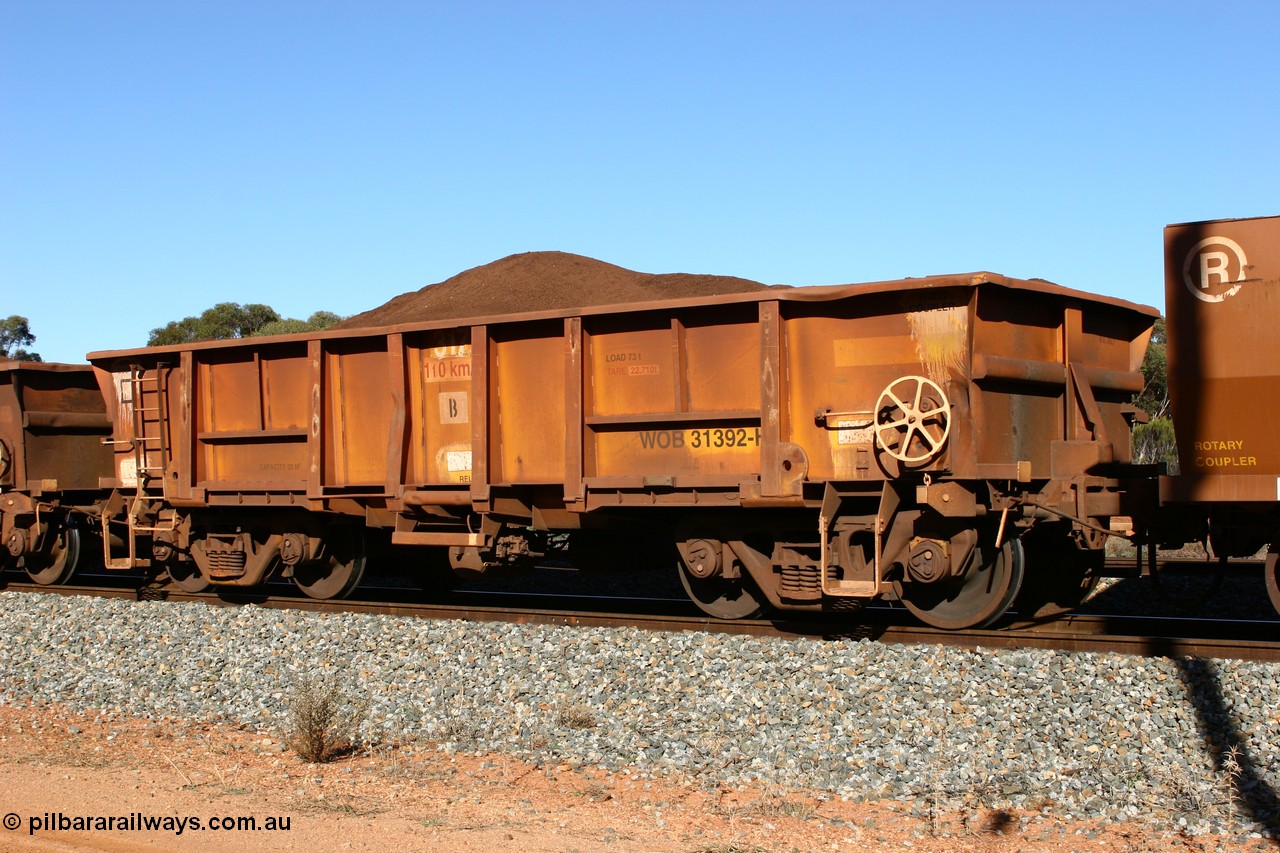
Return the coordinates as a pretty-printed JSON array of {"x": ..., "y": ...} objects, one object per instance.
[
  {"x": 440, "y": 407},
  {"x": 357, "y": 414},
  {"x": 842, "y": 357},
  {"x": 250, "y": 410},
  {"x": 526, "y": 426},
  {"x": 672, "y": 398}
]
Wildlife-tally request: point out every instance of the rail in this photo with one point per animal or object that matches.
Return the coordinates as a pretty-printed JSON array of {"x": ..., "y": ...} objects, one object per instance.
[{"x": 1144, "y": 636}]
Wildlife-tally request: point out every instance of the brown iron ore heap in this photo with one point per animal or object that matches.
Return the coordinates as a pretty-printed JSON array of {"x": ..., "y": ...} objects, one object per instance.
[{"x": 542, "y": 281}]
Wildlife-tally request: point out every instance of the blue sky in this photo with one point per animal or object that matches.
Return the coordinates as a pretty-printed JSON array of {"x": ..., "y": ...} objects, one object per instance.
[{"x": 157, "y": 158}]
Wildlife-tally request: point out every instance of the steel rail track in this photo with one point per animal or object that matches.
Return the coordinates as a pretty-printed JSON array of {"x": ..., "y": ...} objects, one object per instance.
[
  {"x": 1145, "y": 636},
  {"x": 1125, "y": 567}
]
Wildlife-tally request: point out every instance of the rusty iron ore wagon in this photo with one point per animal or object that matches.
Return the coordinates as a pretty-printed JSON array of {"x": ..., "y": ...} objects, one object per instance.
[
  {"x": 52, "y": 459},
  {"x": 1222, "y": 294},
  {"x": 802, "y": 448}
]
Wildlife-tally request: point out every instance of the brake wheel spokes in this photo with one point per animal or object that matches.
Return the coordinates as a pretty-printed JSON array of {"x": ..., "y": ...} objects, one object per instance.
[{"x": 914, "y": 431}]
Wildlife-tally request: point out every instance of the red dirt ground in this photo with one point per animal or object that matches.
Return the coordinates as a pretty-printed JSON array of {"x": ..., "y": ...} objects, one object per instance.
[{"x": 57, "y": 762}]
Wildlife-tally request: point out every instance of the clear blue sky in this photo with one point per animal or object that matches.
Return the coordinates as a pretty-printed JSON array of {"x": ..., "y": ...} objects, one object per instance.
[{"x": 159, "y": 157}]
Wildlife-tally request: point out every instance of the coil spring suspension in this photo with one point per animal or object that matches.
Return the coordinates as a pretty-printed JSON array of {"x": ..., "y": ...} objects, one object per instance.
[
  {"x": 801, "y": 580},
  {"x": 226, "y": 563}
]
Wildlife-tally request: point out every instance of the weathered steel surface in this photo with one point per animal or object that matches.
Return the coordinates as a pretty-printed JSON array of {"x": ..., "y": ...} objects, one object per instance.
[
  {"x": 1222, "y": 291},
  {"x": 836, "y": 434},
  {"x": 52, "y": 425},
  {"x": 724, "y": 395},
  {"x": 52, "y": 420}
]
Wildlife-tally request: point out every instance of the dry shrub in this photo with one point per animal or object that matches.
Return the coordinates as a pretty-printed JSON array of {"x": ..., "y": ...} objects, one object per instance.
[
  {"x": 458, "y": 730},
  {"x": 323, "y": 724},
  {"x": 577, "y": 716}
]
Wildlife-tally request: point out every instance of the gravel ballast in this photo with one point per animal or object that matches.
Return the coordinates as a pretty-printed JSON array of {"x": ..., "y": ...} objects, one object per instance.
[{"x": 1191, "y": 743}]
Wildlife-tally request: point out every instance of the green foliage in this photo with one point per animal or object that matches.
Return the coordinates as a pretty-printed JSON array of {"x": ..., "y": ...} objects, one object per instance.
[
  {"x": 288, "y": 326},
  {"x": 1154, "y": 399},
  {"x": 224, "y": 320},
  {"x": 324, "y": 319},
  {"x": 15, "y": 336},
  {"x": 1153, "y": 442},
  {"x": 232, "y": 320}
]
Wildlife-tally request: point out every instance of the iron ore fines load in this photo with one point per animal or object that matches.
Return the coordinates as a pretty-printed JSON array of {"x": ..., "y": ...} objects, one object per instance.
[{"x": 541, "y": 281}]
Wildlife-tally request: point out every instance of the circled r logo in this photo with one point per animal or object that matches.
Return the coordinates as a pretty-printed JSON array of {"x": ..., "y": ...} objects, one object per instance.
[{"x": 1214, "y": 269}]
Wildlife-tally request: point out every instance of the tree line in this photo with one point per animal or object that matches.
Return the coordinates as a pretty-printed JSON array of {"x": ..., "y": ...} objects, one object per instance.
[
  {"x": 232, "y": 320},
  {"x": 15, "y": 337},
  {"x": 222, "y": 321}
]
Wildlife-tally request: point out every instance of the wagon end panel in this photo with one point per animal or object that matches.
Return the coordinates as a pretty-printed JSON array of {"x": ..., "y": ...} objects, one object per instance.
[
  {"x": 1222, "y": 293},
  {"x": 1053, "y": 375},
  {"x": 148, "y": 403},
  {"x": 1111, "y": 345},
  {"x": 12, "y": 466},
  {"x": 52, "y": 422}
]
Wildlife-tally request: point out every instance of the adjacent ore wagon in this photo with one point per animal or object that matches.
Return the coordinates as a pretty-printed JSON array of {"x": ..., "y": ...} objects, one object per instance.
[
  {"x": 1222, "y": 292},
  {"x": 52, "y": 426},
  {"x": 802, "y": 448}
]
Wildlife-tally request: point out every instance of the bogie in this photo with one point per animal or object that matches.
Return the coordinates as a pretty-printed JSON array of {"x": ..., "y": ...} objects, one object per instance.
[{"x": 58, "y": 552}]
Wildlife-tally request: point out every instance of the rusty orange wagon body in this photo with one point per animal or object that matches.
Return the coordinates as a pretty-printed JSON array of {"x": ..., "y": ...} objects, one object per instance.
[
  {"x": 1222, "y": 295},
  {"x": 803, "y": 448},
  {"x": 52, "y": 459}
]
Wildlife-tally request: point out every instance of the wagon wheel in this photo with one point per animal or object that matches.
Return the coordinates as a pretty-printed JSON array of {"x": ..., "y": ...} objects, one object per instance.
[
  {"x": 1058, "y": 578},
  {"x": 1059, "y": 574},
  {"x": 913, "y": 419},
  {"x": 1272, "y": 572},
  {"x": 1186, "y": 592},
  {"x": 187, "y": 576},
  {"x": 56, "y": 563},
  {"x": 338, "y": 572},
  {"x": 723, "y": 598},
  {"x": 977, "y": 600}
]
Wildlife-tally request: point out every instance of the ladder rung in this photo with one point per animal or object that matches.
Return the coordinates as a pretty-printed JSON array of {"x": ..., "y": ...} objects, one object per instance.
[{"x": 150, "y": 443}]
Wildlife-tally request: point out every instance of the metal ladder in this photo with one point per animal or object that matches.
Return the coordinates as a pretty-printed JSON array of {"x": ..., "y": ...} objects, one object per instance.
[{"x": 149, "y": 395}]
